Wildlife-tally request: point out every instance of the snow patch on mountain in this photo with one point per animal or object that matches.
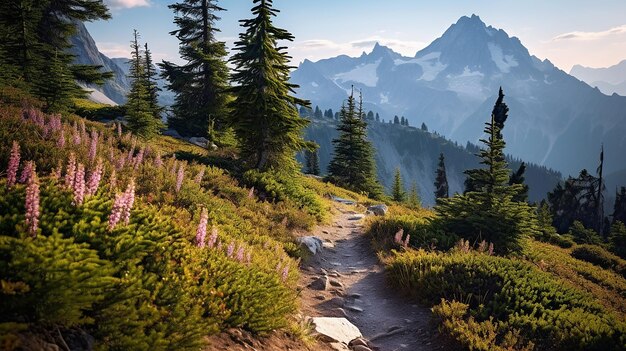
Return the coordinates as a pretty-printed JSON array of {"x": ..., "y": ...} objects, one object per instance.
[
  {"x": 431, "y": 66},
  {"x": 384, "y": 98},
  {"x": 364, "y": 74},
  {"x": 504, "y": 62}
]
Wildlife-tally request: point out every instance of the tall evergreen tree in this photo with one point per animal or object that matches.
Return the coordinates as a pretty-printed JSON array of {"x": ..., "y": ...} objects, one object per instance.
[
  {"x": 35, "y": 38},
  {"x": 396, "y": 120},
  {"x": 414, "y": 199},
  {"x": 600, "y": 195},
  {"x": 264, "y": 114},
  {"x": 139, "y": 114},
  {"x": 377, "y": 117},
  {"x": 397, "y": 190},
  {"x": 353, "y": 165},
  {"x": 200, "y": 84},
  {"x": 517, "y": 177},
  {"x": 489, "y": 212},
  {"x": 619, "y": 208},
  {"x": 500, "y": 111},
  {"x": 370, "y": 115},
  {"x": 318, "y": 113},
  {"x": 153, "y": 89},
  {"x": 312, "y": 162},
  {"x": 424, "y": 127},
  {"x": 441, "y": 179}
]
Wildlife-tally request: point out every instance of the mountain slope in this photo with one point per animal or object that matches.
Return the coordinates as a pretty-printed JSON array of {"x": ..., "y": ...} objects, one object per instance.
[
  {"x": 609, "y": 80},
  {"x": 451, "y": 85},
  {"x": 86, "y": 52}
]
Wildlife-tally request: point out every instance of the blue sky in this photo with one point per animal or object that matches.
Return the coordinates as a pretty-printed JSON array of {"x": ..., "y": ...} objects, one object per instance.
[{"x": 567, "y": 32}]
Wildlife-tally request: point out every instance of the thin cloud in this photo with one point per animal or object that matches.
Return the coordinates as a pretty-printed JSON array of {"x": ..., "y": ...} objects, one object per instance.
[
  {"x": 114, "y": 50},
  {"x": 126, "y": 4},
  {"x": 355, "y": 47},
  {"x": 591, "y": 35}
]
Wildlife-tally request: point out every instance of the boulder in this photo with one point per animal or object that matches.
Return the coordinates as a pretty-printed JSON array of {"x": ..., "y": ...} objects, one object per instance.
[
  {"x": 343, "y": 201},
  {"x": 379, "y": 210},
  {"x": 200, "y": 141},
  {"x": 320, "y": 283},
  {"x": 334, "y": 329},
  {"x": 312, "y": 243},
  {"x": 356, "y": 217}
]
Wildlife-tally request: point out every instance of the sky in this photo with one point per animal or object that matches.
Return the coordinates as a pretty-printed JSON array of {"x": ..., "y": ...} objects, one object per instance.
[{"x": 567, "y": 32}]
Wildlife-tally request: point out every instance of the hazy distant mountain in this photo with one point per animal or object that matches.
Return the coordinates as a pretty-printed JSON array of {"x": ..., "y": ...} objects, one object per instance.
[
  {"x": 609, "y": 80},
  {"x": 555, "y": 119},
  {"x": 416, "y": 152}
]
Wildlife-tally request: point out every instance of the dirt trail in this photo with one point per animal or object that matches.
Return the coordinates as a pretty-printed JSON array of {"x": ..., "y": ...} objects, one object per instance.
[{"x": 359, "y": 292}]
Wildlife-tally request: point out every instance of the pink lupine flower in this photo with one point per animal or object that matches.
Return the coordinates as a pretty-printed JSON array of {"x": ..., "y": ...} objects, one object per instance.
[
  {"x": 398, "y": 237},
  {"x": 119, "y": 129},
  {"x": 61, "y": 140},
  {"x": 129, "y": 200},
  {"x": 47, "y": 130},
  {"x": 251, "y": 193},
  {"x": 248, "y": 258},
  {"x": 490, "y": 251},
  {"x": 32, "y": 204},
  {"x": 199, "y": 176},
  {"x": 14, "y": 164},
  {"x": 212, "y": 238},
  {"x": 139, "y": 158},
  {"x": 27, "y": 171},
  {"x": 230, "y": 249},
  {"x": 79, "y": 185},
  {"x": 240, "y": 254},
  {"x": 219, "y": 245},
  {"x": 70, "y": 172},
  {"x": 116, "y": 212},
  {"x": 93, "y": 146},
  {"x": 158, "y": 162},
  {"x": 201, "y": 231},
  {"x": 76, "y": 137},
  {"x": 180, "y": 176},
  {"x": 278, "y": 266},
  {"x": 285, "y": 273},
  {"x": 83, "y": 129},
  {"x": 113, "y": 181},
  {"x": 406, "y": 241},
  {"x": 94, "y": 179},
  {"x": 121, "y": 161},
  {"x": 55, "y": 122}
]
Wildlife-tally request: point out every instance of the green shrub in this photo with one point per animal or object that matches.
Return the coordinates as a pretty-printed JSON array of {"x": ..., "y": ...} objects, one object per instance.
[
  {"x": 95, "y": 111},
  {"x": 422, "y": 232},
  {"x": 601, "y": 257},
  {"x": 516, "y": 294},
  {"x": 562, "y": 240}
]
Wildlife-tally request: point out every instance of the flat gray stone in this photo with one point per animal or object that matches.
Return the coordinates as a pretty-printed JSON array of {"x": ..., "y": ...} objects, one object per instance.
[
  {"x": 320, "y": 283},
  {"x": 312, "y": 243},
  {"x": 336, "y": 329}
]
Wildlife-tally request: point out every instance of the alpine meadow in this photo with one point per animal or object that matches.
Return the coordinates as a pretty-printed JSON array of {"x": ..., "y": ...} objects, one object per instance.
[{"x": 312, "y": 175}]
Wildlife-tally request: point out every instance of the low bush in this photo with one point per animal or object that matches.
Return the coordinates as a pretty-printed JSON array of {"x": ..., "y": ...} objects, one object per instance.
[
  {"x": 506, "y": 296},
  {"x": 601, "y": 257},
  {"x": 422, "y": 233}
]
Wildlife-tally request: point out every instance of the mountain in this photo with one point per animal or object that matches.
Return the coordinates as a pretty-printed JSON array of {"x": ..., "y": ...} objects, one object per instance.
[
  {"x": 416, "y": 152},
  {"x": 554, "y": 120},
  {"x": 86, "y": 52},
  {"x": 610, "y": 80}
]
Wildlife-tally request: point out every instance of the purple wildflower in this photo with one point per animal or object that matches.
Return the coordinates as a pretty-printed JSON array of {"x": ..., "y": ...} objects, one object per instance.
[
  {"x": 248, "y": 257},
  {"x": 119, "y": 130},
  {"x": 158, "y": 162},
  {"x": 113, "y": 180},
  {"x": 83, "y": 129},
  {"x": 230, "y": 250},
  {"x": 94, "y": 179},
  {"x": 212, "y": 238},
  {"x": 251, "y": 193},
  {"x": 201, "y": 231},
  {"x": 79, "y": 185},
  {"x": 490, "y": 251},
  {"x": 76, "y": 136},
  {"x": 61, "y": 140},
  {"x": 180, "y": 176},
  {"x": 398, "y": 237},
  {"x": 70, "y": 172},
  {"x": 14, "y": 164},
  {"x": 406, "y": 241},
  {"x": 32, "y": 204},
  {"x": 27, "y": 171},
  {"x": 93, "y": 146},
  {"x": 240, "y": 254},
  {"x": 116, "y": 212},
  {"x": 285, "y": 273},
  {"x": 200, "y": 175},
  {"x": 55, "y": 122},
  {"x": 139, "y": 158},
  {"x": 129, "y": 200}
]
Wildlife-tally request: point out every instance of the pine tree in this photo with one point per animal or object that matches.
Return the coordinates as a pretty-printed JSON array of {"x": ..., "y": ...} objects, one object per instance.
[
  {"x": 353, "y": 165},
  {"x": 517, "y": 177},
  {"x": 151, "y": 84},
  {"x": 35, "y": 38},
  {"x": 200, "y": 84},
  {"x": 397, "y": 190},
  {"x": 424, "y": 127},
  {"x": 318, "y": 113},
  {"x": 619, "y": 208},
  {"x": 370, "y": 115},
  {"x": 489, "y": 212},
  {"x": 264, "y": 113},
  {"x": 139, "y": 114},
  {"x": 414, "y": 199},
  {"x": 441, "y": 179},
  {"x": 377, "y": 117},
  {"x": 396, "y": 120},
  {"x": 312, "y": 162}
]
